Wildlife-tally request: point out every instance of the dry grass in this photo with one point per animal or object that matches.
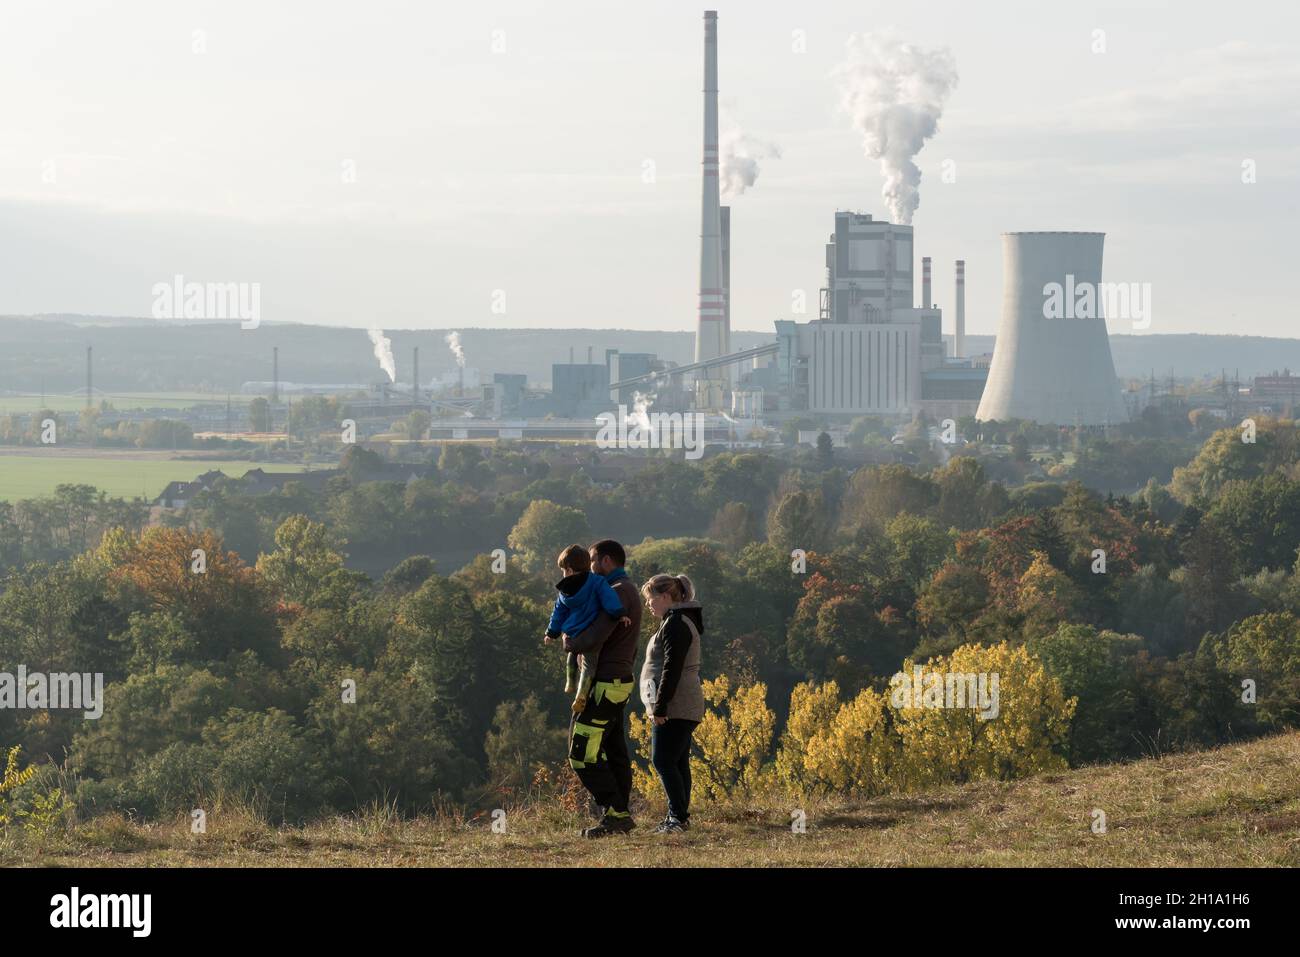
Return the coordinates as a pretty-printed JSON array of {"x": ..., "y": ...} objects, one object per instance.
[{"x": 1233, "y": 806}]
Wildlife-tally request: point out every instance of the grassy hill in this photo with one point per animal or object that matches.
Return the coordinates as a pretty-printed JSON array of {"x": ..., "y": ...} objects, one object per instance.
[{"x": 1233, "y": 806}]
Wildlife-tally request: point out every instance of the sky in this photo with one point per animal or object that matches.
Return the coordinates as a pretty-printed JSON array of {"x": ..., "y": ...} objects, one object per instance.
[{"x": 530, "y": 164}]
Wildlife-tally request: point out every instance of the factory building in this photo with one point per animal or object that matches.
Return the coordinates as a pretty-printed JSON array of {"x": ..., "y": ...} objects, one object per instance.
[
  {"x": 871, "y": 351},
  {"x": 579, "y": 390},
  {"x": 861, "y": 367},
  {"x": 868, "y": 270},
  {"x": 505, "y": 395}
]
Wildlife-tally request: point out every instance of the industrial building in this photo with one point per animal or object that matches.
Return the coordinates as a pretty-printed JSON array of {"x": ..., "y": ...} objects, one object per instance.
[{"x": 871, "y": 351}]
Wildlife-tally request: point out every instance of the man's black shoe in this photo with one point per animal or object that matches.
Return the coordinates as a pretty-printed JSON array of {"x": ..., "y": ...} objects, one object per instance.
[{"x": 610, "y": 825}]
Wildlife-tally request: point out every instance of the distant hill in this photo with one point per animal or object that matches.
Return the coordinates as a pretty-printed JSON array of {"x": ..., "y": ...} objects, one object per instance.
[
  {"x": 133, "y": 355},
  {"x": 143, "y": 355}
]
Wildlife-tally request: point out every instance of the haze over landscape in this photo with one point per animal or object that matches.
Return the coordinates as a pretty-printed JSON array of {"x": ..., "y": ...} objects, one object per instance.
[{"x": 337, "y": 161}]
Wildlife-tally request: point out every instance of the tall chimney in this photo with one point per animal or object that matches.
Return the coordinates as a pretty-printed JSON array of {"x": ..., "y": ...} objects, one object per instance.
[
  {"x": 89, "y": 377},
  {"x": 415, "y": 373},
  {"x": 275, "y": 373},
  {"x": 710, "y": 331},
  {"x": 925, "y": 282},
  {"x": 959, "y": 337},
  {"x": 724, "y": 220}
]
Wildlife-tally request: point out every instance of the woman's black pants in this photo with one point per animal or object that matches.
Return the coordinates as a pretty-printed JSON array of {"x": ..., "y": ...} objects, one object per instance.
[{"x": 670, "y": 753}]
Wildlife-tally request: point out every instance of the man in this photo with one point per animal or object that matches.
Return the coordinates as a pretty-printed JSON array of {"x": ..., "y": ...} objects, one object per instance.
[{"x": 598, "y": 736}]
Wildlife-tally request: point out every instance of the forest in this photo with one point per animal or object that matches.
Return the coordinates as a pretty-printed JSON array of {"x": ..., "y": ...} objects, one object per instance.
[{"x": 246, "y": 659}]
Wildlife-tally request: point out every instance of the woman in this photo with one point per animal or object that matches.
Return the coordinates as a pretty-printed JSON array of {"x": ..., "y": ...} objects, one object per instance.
[{"x": 670, "y": 688}]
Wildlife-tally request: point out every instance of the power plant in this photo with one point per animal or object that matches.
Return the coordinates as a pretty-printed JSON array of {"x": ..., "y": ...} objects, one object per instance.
[
  {"x": 870, "y": 350},
  {"x": 1052, "y": 369}
]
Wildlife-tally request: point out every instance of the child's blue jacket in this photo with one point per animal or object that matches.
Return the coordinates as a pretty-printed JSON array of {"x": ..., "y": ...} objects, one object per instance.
[{"x": 581, "y": 598}]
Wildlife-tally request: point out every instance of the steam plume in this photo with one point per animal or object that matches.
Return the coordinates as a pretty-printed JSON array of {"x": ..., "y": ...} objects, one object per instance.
[
  {"x": 894, "y": 93},
  {"x": 740, "y": 155},
  {"x": 384, "y": 352},
  {"x": 453, "y": 343}
]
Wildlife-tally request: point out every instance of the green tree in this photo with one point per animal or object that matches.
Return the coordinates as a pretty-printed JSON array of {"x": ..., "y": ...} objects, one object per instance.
[
  {"x": 544, "y": 530},
  {"x": 305, "y": 553},
  {"x": 1097, "y": 667},
  {"x": 1266, "y": 650},
  {"x": 259, "y": 415},
  {"x": 799, "y": 521},
  {"x": 521, "y": 741},
  {"x": 825, "y": 450},
  {"x": 417, "y": 423}
]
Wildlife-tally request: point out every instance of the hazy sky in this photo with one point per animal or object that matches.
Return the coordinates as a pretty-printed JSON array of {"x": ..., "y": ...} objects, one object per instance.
[{"x": 502, "y": 146}]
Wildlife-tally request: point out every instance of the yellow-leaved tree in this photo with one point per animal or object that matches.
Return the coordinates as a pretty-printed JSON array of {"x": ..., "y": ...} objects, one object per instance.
[
  {"x": 733, "y": 740},
  {"x": 812, "y": 709},
  {"x": 13, "y": 777},
  {"x": 857, "y": 751},
  {"x": 1016, "y": 726},
  {"x": 644, "y": 779}
]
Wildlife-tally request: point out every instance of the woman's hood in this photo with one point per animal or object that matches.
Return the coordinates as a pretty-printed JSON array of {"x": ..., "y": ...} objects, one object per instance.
[{"x": 690, "y": 609}]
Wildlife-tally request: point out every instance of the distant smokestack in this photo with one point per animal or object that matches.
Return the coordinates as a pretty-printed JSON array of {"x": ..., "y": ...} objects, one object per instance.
[
  {"x": 415, "y": 373},
  {"x": 588, "y": 355},
  {"x": 959, "y": 336},
  {"x": 724, "y": 220},
  {"x": 710, "y": 331},
  {"x": 90, "y": 385},
  {"x": 570, "y": 355},
  {"x": 925, "y": 282},
  {"x": 275, "y": 373}
]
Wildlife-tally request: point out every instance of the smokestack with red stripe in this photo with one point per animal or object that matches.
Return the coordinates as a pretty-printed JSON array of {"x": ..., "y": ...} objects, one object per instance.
[
  {"x": 710, "y": 330},
  {"x": 959, "y": 338},
  {"x": 925, "y": 282}
]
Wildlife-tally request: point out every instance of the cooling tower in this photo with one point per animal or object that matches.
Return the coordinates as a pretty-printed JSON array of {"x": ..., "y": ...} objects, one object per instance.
[{"x": 1055, "y": 371}]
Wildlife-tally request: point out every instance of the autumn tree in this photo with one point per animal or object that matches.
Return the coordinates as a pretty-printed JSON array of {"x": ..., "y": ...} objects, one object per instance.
[
  {"x": 1028, "y": 734},
  {"x": 219, "y": 597}
]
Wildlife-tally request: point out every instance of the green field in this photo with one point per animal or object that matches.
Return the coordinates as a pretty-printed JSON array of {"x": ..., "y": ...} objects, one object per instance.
[
  {"x": 31, "y": 475},
  {"x": 23, "y": 404}
]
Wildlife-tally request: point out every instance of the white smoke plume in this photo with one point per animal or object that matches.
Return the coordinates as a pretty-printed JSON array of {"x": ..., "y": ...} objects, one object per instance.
[
  {"x": 739, "y": 155},
  {"x": 641, "y": 403},
  {"x": 384, "y": 352},
  {"x": 453, "y": 343},
  {"x": 894, "y": 93},
  {"x": 638, "y": 421}
]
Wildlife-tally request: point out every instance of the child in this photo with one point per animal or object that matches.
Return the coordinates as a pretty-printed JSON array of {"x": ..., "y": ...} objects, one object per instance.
[{"x": 582, "y": 597}]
